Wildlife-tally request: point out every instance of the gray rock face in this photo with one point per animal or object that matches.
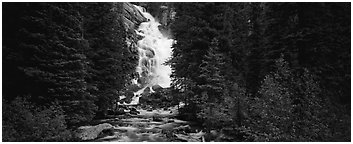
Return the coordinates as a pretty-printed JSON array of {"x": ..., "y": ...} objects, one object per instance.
[
  {"x": 132, "y": 16},
  {"x": 91, "y": 132}
]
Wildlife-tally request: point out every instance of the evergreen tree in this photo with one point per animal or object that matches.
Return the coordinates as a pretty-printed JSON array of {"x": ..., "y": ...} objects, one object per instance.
[
  {"x": 212, "y": 84},
  {"x": 111, "y": 64},
  {"x": 54, "y": 40},
  {"x": 194, "y": 36},
  {"x": 305, "y": 33},
  {"x": 289, "y": 107},
  {"x": 264, "y": 71}
]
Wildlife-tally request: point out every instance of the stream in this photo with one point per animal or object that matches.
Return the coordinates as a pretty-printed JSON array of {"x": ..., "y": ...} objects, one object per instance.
[
  {"x": 152, "y": 126},
  {"x": 149, "y": 125}
]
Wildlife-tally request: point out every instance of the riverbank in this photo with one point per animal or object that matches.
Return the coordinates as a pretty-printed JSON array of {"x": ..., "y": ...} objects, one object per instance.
[{"x": 159, "y": 125}]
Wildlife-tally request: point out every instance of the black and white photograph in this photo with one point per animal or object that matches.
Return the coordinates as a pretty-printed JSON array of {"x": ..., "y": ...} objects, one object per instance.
[{"x": 183, "y": 71}]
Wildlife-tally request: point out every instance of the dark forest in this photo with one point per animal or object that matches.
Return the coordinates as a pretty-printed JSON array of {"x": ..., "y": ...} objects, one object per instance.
[{"x": 240, "y": 71}]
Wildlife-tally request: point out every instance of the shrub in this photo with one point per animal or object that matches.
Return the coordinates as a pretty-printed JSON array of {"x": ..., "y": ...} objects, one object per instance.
[
  {"x": 274, "y": 109},
  {"x": 228, "y": 111},
  {"x": 289, "y": 107},
  {"x": 22, "y": 121},
  {"x": 215, "y": 116}
]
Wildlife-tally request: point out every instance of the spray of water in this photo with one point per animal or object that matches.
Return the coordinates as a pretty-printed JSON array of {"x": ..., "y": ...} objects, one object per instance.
[{"x": 154, "y": 49}]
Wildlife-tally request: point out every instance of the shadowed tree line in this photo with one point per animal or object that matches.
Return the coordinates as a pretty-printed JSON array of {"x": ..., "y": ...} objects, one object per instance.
[
  {"x": 264, "y": 71},
  {"x": 245, "y": 71},
  {"x": 63, "y": 65}
]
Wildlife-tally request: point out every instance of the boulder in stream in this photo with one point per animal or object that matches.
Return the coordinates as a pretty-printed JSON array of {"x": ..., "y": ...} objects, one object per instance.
[
  {"x": 191, "y": 137},
  {"x": 134, "y": 112},
  {"x": 157, "y": 87},
  {"x": 92, "y": 132}
]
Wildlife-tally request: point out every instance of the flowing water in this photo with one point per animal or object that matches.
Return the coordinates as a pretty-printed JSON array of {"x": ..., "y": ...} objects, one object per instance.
[
  {"x": 152, "y": 126},
  {"x": 159, "y": 124},
  {"x": 154, "y": 50}
]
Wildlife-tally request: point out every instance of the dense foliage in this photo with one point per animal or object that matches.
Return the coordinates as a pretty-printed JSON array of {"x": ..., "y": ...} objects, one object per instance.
[
  {"x": 245, "y": 71},
  {"x": 281, "y": 73},
  {"x": 74, "y": 54},
  {"x": 23, "y": 121}
]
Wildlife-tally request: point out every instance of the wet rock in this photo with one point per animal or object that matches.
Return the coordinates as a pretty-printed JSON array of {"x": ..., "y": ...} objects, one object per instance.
[
  {"x": 91, "y": 132},
  {"x": 167, "y": 126},
  {"x": 157, "y": 87},
  {"x": 142, "y": 80},
  {"x": 145, "y": 63},
  {"x": 185, "y": 128},
  {"x": 106, "y": 132},
  {"x": 157, "y": 119},
  {"x": 170, "y": 120},
  {"x": 146, "y": 91},
  {"x": 157, "y": 138},
  {"x": 150, "y": 130},
  {"x": 144, "y": 100},
  {"x": 132, "y": 135},
  {"x": 184, "y": 138},
  {"x": 149, "y": 109},
  {"x": 191, "y": 137},
  {"x": 153, "y": 64},
  {"x": 120, "y": 111},
  {"x": 144, "y": 137},
  {"x": 149, "y": 53},
  {"x": 180, "y": 121},
  {"x": 126, "y": 129},
  {"x": 126, "y": 110},
  {"x": 134, "y": 111},
  {"x": 122, "y": 97}
]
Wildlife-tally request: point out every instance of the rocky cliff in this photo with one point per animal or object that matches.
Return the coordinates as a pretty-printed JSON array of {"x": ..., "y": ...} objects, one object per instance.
[
  {"x": 132, "y": 18},
  {"x": 163, "y": 12}
]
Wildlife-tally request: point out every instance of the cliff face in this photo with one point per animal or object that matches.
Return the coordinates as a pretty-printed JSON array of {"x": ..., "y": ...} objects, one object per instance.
[
  {"x": 132, "y": 18},
  {"x": 163, "y": 12}
]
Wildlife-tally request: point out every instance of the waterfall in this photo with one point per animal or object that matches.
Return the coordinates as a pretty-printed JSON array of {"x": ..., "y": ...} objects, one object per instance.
[{"x": 154, "y": 49}]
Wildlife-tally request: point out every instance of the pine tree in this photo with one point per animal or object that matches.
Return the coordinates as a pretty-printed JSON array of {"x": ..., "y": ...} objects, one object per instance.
[
  {"x": 306, "y": 34},
  {"x": 111, "y": 64},
  {"x": 212, "y": 80},
  {"x": 194, "y": 35},
  {"x": 212, "y": 83},
  {"x": 53, "y": 37}
]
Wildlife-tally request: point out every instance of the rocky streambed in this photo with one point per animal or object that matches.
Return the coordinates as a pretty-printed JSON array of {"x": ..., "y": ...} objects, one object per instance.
[{"x": 159, "y": 125}]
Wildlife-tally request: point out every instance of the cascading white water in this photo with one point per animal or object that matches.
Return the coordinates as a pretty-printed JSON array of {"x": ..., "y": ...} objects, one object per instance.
[{"x": 154, "y": 49}]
